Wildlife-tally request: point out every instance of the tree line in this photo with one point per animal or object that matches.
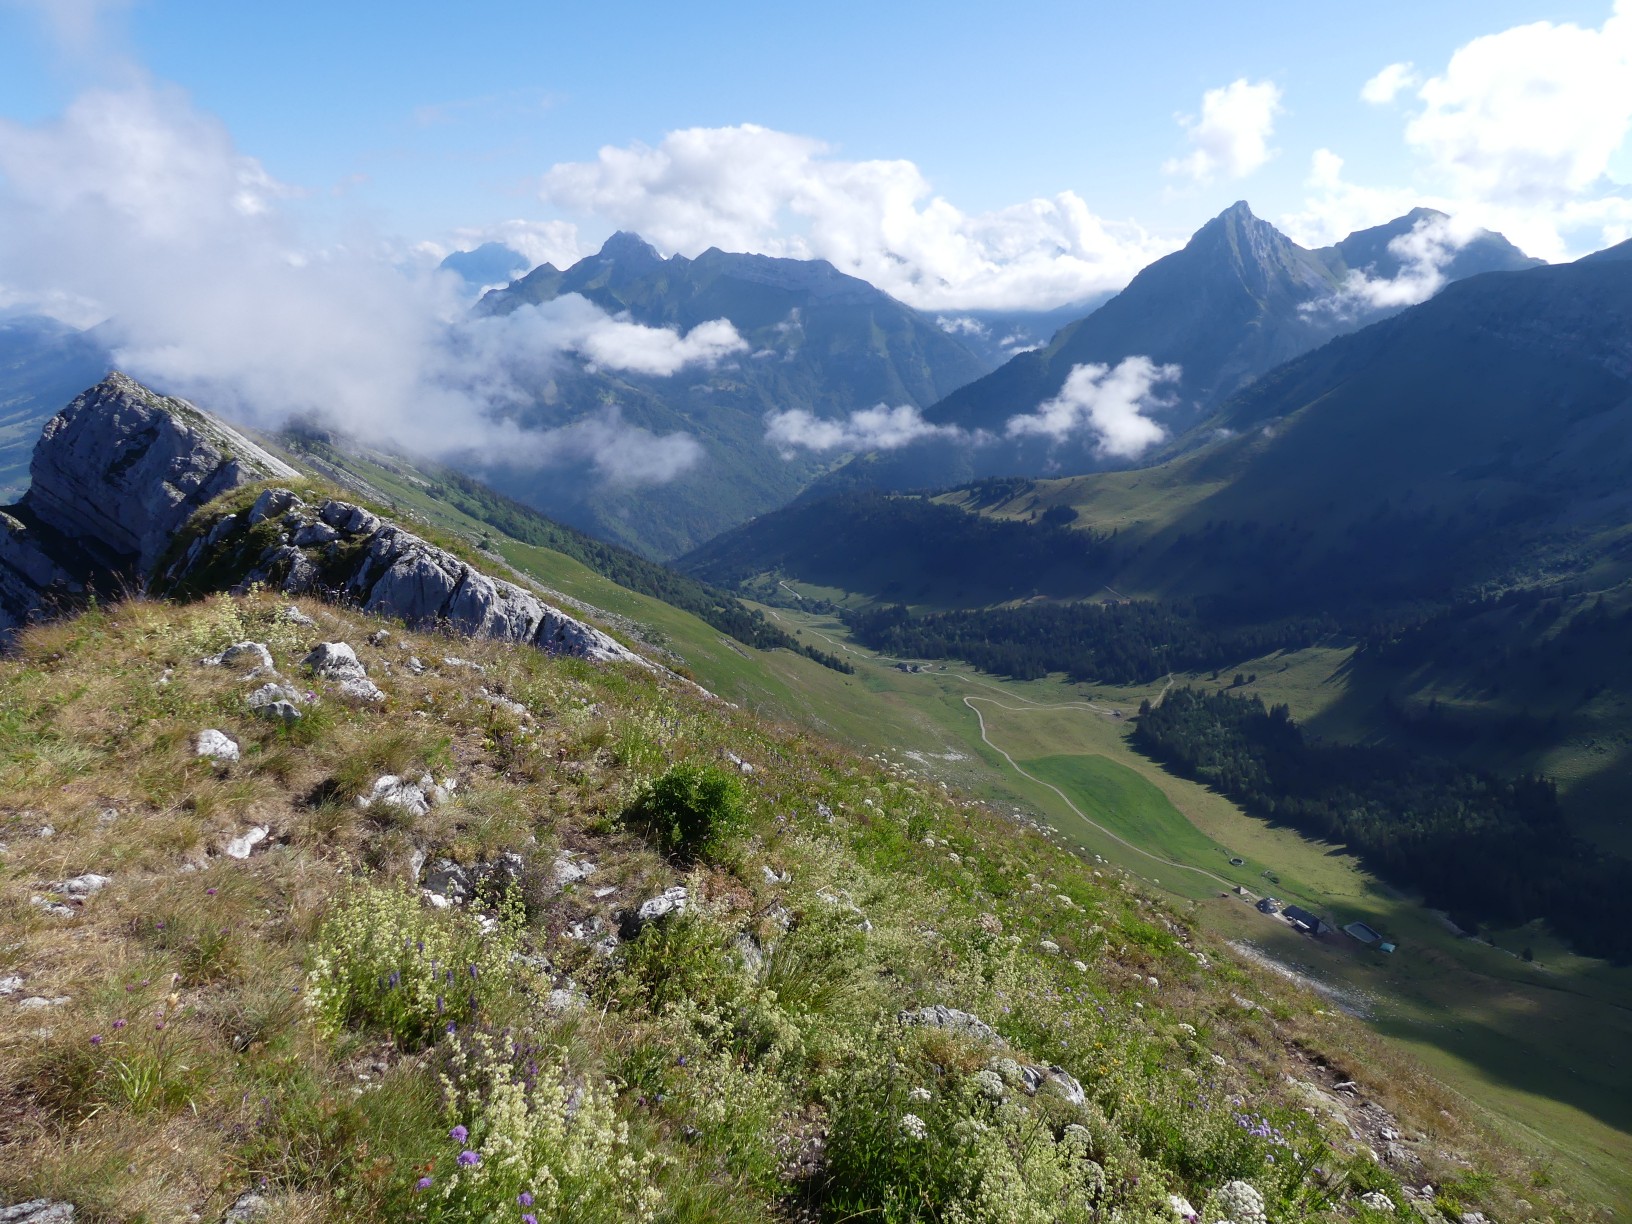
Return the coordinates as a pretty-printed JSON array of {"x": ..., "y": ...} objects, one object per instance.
[{"x": 1134, "y": 642}]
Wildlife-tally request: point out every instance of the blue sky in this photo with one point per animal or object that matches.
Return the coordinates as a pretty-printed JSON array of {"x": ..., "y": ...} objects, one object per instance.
[
  {"x": 254, "y": 199},
  {"x": 434, "y": 123}
]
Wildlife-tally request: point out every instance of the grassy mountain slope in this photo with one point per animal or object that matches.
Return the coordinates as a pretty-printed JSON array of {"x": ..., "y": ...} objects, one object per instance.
[{"x": 280, "y": 1024}]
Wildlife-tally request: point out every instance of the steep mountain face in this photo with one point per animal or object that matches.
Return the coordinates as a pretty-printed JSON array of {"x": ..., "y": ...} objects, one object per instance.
[
  {"x": 1240, "y": 299},
  {"x": 43, "y": 364},
  {"x": 492, "y": 263},
  {"x": 120, "y": 477},
  {"x": 817, "y": 340}
]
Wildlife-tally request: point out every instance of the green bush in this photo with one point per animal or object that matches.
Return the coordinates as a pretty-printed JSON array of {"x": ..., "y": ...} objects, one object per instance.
[{"x": 691, "y": 809}]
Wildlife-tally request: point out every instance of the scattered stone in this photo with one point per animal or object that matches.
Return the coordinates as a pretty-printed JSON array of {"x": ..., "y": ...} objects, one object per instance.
[
  {"x": 279, "y": 711},
  {"x": 47, "y": 831},
  {"x": 338, "y": 662},
  {"x": 55, "y": 908},
  {"x": 107, "y": 815},
  {"x": 669, "y": 901},
  {"x": 240, "y": 846},
  {"x": 773, "y": 876},
  {"x": 352, "y": 520},
  {"x": 295, "y": 616},
  {"x": 741, "y": 764},
  {"x": 379, "y": 637},
  {"x": 238, "y": 651},
  {"x": 81, "y": 887},
  {"x": 414, "y": 798},
  {"x": 503, "y": 703},
  {"x": 248, "y": 1208},
  {"x": 217, "y": 745},
  {"x": 41, "y": 1003},
  {"x": 38, "y": 1211},
  {"x": 943, "y": 1017},
  {"x": 569, "y": 868},
  {"x": 455, "y": 661},
  {"x": 414, "y": 665},
  {"x": 271, "y": 694},
  {"x": 1181, "y": 1207},
  {"x": 10, "y": 985},
  {"x": 1153, "y": 982},
  {"x": 752, "y": 955}
]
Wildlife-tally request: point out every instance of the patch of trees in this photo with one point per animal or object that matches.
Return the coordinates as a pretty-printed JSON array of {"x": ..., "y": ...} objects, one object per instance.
[
  {"x": 910, "y": 548},
  {"x": 1488, "y": 849},
  {"x": 1122, "y": 643}
]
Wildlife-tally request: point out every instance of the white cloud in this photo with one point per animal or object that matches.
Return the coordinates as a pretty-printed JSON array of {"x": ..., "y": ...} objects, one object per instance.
[
  {"x": 750, "y": 188},
  {"x": 1530, "y": 114},
  {"x": 1520, "y": 133},
  {"x": 961, "y": 325},
  {"x": 1389, "y": 84},
  {"x": 1110, "y": 403},
  {"x": 878, "y": 428},
  {"x": 77, "y": 26},
  {"x": 135, "y": 206},
  {"x": 540, "y": 242},
  {"x": 1423, "y": 252},
  {"x": 1231, "y": 136}
]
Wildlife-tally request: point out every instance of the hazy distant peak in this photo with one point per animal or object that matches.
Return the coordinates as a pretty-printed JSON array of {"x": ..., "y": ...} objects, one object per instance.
[{"x": 627, "y": 247}]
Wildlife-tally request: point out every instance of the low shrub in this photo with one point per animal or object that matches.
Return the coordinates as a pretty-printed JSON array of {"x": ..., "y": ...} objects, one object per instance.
[
  {"x": 691, "y": 809},
  {"x": 385, "y": 961}
]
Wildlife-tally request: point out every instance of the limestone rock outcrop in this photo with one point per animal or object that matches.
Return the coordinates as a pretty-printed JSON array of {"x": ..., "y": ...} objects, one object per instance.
[
  {"x": 122, "y": 470},
  {"x": 113, "y": 478}
]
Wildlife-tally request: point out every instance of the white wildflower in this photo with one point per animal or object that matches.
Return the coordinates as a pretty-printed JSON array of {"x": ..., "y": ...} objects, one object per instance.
[{"x": 912, "y": 1126}]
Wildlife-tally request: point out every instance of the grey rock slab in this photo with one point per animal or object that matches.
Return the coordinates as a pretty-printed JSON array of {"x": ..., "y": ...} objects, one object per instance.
[
  {"x": 295, "y": 616},
  {"x": 273, "y": 503},
  {"x": 414, "y": 798},
  {"x": 269, "y": 694},
  {"x": 55, "y": 908},
  {"x": 940, "y": 1016},
  {"x": 569, "y": 867},
  {"x": 10, "y": 985},
  {"x": 503, "y": 703},
  {"x": 670, "y": 901},
  {"x": 217, "y": 745},
  {"x": 248, "y": 1207},
  {"x": 38, "y": 1211},
  {"x": 280, "y": 711},
  {"x": 81, "y": 886},
  {"x": 41, "y": 1003},
  {"x": 239, "y": 652}
]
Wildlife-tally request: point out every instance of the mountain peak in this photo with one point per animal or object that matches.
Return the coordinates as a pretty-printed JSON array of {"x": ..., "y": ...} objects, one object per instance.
[{"x": 627, "y": 247}]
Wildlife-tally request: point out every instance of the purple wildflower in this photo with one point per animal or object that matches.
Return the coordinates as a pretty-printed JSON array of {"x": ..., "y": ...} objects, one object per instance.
[
  {"x": 209, "y": 892},
  {"x": 423, "y": 1183},
  {"x": 525, "y": 1199},
  {"x": 159, "y": 1025},
  {"x": 118, "y": 1024},
  {"x": 96, "y": 1039},
  {"x": 468, "y": 1158},
  {"x": 458, "y": 1134},
  {"x": 529, "y": 1218}
]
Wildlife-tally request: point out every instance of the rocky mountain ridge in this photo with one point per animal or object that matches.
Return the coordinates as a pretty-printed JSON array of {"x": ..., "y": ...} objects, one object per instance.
[{"x": 119, "y": 479}]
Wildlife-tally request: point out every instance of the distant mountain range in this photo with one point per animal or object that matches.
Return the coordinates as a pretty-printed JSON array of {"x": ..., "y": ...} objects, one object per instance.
[
  {"x": 1476, "y": 441},
  {"x": 43, "y": 365},
  {"x": 1238, "y": 300},
  {"x": 817, "y": 340}
]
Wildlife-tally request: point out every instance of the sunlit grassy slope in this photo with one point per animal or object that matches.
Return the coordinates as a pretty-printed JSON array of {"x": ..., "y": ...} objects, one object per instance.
[{"x": 1485, "y": 1019}]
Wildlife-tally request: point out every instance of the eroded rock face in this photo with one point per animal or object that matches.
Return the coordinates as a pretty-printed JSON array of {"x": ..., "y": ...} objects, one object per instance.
[
  {"x": 392, "y": 572},
  {"x": 114, "y": 476},
  {"x": 122, "y": 469}
]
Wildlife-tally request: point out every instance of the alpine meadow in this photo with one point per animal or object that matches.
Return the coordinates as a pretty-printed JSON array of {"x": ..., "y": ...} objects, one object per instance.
[{"x": 815, "y": 617}]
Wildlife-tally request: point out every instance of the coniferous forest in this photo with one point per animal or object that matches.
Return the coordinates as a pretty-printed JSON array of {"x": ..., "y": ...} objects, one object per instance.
[{"x": 1489, "y": 850}]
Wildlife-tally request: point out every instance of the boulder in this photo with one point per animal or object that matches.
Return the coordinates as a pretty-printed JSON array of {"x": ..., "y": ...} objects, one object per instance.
[
  {"x": 271, "y": 694},
  {"x": 670, "y": 901},
  {"x": 81, "y": 886},
  {"x": 255, "y": 653},
  {"x": 217, "y": 745},
  {"x": 338, "y": 662}
]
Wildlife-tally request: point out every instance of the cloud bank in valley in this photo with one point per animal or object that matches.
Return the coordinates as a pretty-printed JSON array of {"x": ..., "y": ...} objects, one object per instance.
[
  {"x": 755, "y": 189},
  {"x": 134, "y": 207},
  {"x": 1111, "y": 406}
]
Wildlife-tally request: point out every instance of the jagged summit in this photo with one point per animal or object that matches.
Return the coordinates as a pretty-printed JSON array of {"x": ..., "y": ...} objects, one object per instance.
[{"x": 628, "y": 247}]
